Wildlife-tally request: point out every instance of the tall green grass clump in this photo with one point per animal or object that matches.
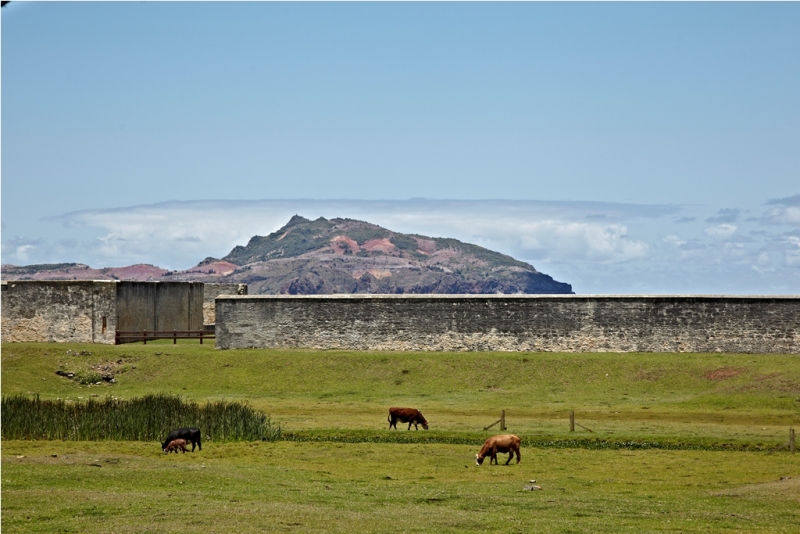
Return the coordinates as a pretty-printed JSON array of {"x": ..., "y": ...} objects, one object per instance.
[{"x": 145, "y": 418}]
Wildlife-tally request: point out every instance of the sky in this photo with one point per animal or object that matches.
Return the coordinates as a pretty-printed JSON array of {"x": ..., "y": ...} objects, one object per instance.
[{"x": 624, "y": 148}]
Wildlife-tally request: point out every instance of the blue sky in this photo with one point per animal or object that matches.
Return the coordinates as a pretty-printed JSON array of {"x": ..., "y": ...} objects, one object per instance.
[{"x": 620, "y": 147}]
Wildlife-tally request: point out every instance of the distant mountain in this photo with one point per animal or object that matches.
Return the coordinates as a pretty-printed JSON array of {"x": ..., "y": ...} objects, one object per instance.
[
  {"x": 79, "y": 271},
  {"x": 338, "y": 256}
]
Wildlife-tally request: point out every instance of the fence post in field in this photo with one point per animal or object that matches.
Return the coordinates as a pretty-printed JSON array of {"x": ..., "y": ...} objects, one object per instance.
[
  {"x": 502, "y": 421},
  {"x": 144, "y": 336},
  {"x": 174, "y": 337},
  {"x": 572, "y": 421}
]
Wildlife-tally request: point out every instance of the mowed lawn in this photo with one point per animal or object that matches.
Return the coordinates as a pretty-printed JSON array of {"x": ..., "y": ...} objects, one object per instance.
[{"x": 699, "y": 401}]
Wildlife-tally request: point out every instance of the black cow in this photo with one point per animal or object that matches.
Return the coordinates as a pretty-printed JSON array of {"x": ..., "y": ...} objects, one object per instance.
[{"x": 189, "y": 434}]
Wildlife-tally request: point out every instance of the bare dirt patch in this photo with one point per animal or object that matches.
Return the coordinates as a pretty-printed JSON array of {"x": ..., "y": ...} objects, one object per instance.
[
  {"x": 766, "y": 377},
  {"x": 383, "y": 245},
  {"x": 723, "y": 373},
  {"x": 93, "y": 373},
  {"x": 787, "y": 487},
  {"x": 650, "y": 375},
  {"x": 342, "y": 244}
]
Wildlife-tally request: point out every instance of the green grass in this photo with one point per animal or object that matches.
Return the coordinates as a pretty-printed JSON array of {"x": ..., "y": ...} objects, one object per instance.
[
  {"x": 743, "y": 399},
  {"x": 717, "y": 420},
  {"x": 332, "y": 487}
]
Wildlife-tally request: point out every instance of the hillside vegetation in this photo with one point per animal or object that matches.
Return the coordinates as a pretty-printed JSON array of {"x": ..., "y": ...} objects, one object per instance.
[{"x": 348, "y": 256}]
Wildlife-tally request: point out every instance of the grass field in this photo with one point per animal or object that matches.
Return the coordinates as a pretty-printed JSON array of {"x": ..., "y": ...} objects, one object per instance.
[{"x": 343, "y": 474}]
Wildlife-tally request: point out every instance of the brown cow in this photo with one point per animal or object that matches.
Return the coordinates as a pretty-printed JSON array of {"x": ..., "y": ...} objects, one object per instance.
[
  {"x": 175, "y": 445},
  {"x": 412, "y": 416},
  {"x": 503, "y": 443}
]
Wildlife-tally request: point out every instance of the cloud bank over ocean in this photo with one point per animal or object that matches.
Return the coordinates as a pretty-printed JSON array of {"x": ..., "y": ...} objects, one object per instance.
[{"x": 599, "y": 247}]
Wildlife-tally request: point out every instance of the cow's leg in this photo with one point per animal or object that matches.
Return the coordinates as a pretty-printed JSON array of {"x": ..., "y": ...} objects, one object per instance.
[
  {"x": 409, "y": 424},
  {"x": 518, "y": 456},
  {"x": 510, "y": 456}
]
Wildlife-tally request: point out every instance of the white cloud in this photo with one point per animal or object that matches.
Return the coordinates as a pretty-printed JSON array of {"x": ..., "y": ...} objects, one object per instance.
[
  {"x": 673, "y": 240},
  {"x": 597, "y": 247},
  {"x": 179, "y": 234},
  {"x": 721, "y": 231},
  {"x": 785, "y": 211},
  {"x": 792, "y": 253},
  {"x": 789, "y": 215}
]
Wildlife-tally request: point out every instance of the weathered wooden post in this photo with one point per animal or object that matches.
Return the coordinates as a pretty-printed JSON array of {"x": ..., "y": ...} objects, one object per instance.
[
  {"x": 502, "y": 421},
  {"x": 572, "y": 421}
]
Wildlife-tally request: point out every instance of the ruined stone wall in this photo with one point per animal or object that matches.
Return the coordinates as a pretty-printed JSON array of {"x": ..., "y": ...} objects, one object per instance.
[
  {"x": 77, "y": 311},
  {"x": 212, "y": 291},
  {"x": 60, "y": 311},
  {"x": 569, "y": 323}
]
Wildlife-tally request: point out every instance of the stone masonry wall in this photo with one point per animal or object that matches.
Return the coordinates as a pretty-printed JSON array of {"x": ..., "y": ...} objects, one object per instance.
[
  {"x": 569, "y": 323},
  {"x": 59, "y": 311},
  {"x": 212, "y": 291},
  {"x": 77, "y": 311}
]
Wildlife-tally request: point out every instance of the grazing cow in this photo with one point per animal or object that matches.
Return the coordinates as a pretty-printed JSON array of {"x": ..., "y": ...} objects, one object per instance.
[
  {"x": 176, "y": 445},
  {"x": 412, "y": 416},
  {"x": 191, "y": 435},
  {"x": 504, "y": 443}
]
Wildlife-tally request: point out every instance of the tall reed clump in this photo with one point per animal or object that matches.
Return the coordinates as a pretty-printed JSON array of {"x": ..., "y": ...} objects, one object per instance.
[{"x": 146, "y": 418}]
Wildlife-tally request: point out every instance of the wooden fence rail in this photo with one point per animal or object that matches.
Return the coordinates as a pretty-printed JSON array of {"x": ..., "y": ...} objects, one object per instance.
[{"x": 152, "y": 335}]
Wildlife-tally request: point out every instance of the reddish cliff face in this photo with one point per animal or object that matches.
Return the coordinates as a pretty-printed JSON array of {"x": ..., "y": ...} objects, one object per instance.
[{"x": 337, "y": 256}]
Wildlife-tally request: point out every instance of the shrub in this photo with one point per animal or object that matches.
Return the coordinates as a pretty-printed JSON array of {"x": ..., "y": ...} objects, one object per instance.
[{"x": 147, "y": 418}]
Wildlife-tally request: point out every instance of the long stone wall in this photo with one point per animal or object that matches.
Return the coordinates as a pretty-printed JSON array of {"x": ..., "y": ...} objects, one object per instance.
[
  {"x": 59, "y": 311},
  {"x": 569, "y": 323}
]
